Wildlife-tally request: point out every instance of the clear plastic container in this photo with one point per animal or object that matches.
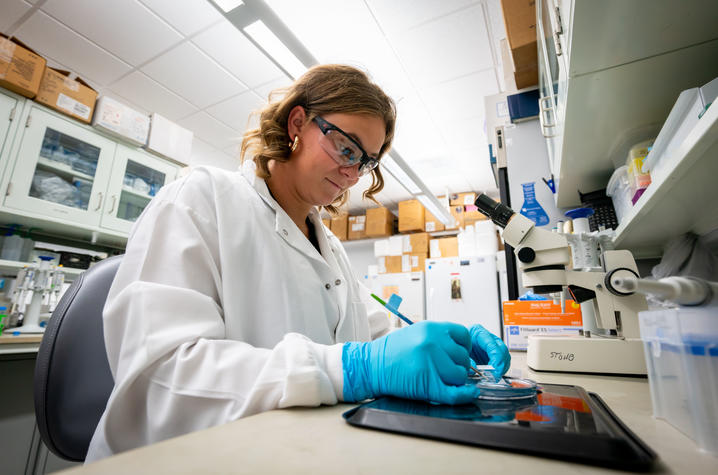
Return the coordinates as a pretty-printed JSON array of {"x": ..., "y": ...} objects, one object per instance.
[
  {"x": 620, "y": 192},
  {"x": 681, "y": 348},
  {"x": 638, "y": 180}
]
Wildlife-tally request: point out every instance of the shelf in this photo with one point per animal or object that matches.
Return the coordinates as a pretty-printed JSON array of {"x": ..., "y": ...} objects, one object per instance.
[
  {"x": 138, "y": 194},
  {"x": 14, "y": 266},
  {"x": 63, "y": 168},
  {"x": 608, "y": 111},
  {"x": 681, "y": 197}
]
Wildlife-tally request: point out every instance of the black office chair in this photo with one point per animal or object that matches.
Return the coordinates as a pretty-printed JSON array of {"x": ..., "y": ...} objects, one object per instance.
[{"x": 72, "y": 376}]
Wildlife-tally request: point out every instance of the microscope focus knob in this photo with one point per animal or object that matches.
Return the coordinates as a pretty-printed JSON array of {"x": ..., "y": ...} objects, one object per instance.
[{"x": 526, "y": 255}]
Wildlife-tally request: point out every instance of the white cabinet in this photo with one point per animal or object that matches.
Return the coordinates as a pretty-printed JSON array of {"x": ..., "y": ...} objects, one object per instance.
[
  {"x": 61, "y": 170},
  {"x": 621, "y": 66},
  {"x": 68, "y": 179},
  {"x": 10, "y": 106},
  {"x": 136, "y": 178}
]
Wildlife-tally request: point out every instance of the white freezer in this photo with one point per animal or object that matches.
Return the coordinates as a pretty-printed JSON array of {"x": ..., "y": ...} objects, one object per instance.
[
  {"x": 464, "y": 290},
  {"x": 407, "y": 285}
]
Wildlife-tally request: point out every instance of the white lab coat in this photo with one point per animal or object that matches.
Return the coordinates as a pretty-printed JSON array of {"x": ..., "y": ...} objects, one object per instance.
[{"x": 222, "y": 308}]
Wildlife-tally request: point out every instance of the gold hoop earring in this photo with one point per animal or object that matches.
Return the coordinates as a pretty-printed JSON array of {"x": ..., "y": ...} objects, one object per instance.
[{"x": 295, "y": 144}]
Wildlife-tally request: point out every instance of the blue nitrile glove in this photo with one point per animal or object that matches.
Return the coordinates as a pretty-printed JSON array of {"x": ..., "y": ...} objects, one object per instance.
[
  {"x": 487, "y": 348},
  {"x": 426, "y": 361}
]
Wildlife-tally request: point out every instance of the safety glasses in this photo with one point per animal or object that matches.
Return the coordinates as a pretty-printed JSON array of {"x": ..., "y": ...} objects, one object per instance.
[{"x": 344, "y": 149}]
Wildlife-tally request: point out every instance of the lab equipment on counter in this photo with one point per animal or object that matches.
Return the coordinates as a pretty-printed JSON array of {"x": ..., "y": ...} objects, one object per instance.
[
  {"x": 562, "y": 422},
  {"x": 41, "y": 283},
  {"x": 681, "y": 350},
  {"x": 546, "y": 266}
]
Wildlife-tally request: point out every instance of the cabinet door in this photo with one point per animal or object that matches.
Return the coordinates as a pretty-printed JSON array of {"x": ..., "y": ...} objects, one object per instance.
[
  {"x": 8, "y": 110},
  {"x": 61, "y": 170},
  {"x": 136, "y": 178}
]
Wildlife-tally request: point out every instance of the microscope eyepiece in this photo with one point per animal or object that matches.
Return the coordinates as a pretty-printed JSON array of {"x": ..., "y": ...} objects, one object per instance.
[{"x": 499, "y": 213}]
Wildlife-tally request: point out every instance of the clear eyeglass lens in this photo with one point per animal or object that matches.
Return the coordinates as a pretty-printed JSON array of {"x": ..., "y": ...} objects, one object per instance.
[{"x": 345, "y": 150}]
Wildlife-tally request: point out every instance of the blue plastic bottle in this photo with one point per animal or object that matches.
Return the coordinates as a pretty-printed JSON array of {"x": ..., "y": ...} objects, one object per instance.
[{"x": 531, "y": 208}]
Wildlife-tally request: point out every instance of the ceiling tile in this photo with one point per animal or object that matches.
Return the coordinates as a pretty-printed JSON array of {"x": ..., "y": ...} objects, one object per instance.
[
  {"x": 193, "y": 16},
  {"x": 234, "y": 51},
  {"x": 203, "y": 154},
  {"x": 125, "y": 28},
  {"x": 211, "y": 130},
  {"x": 193, "y": 75},
  {"x": 236, "y": 111},
  {"x": 48, "y": 37},
  {"x": 140, "y": 89},
  {"x": 10, "y": 12},
  {"x": 460, "y": 98},
  {"x": 439, "y": 50},
  {"x": 397, "y": 16}
]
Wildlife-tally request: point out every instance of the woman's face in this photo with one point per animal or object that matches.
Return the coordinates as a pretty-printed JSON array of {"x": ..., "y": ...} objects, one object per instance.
[{"x": 318, "y": 178}]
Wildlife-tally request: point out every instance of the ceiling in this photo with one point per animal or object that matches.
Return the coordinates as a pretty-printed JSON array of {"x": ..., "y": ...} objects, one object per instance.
[{"x": 437, "y": 59}]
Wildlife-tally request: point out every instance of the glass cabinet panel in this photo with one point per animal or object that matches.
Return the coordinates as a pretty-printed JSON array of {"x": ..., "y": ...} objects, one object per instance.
[
  {"x": 65, "y": 170},
  {"x": 139, "y": 185}
]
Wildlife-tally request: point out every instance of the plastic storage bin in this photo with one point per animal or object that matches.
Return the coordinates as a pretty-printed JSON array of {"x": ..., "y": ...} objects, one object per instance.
[
  {"x": 681, "y": 348},
  {"x": 620, "y": 192}
]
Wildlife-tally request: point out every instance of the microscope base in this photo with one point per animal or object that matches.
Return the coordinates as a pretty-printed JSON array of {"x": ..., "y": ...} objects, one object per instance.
[
  {"x": 577, "y": 354},
  {"x": 27, "y": 329}
]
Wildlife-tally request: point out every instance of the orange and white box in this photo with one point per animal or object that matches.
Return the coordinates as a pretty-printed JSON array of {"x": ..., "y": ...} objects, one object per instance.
[{"x": 538, "y": 317}]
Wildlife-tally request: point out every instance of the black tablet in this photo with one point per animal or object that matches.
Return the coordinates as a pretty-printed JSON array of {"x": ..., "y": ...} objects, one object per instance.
[{"x": 561, "y": 421}]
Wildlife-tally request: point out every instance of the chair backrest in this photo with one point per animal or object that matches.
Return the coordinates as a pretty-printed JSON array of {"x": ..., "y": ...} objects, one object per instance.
[{"x": 72, "y": 376}]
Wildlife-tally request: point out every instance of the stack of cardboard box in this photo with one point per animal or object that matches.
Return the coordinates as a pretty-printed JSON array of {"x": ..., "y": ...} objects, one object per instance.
[{"x": 520, "y": 21}]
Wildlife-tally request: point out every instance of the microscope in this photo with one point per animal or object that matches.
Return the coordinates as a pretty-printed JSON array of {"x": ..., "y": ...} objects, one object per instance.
[{"x": 546, "y": 266}]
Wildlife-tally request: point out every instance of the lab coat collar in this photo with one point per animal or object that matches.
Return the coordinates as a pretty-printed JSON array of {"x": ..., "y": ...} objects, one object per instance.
[{"x": 284, "y": 226}]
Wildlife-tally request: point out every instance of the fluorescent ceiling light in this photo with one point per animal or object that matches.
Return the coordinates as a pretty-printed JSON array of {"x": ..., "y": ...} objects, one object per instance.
[
  {"x": 440, "y": 213},
  {"x": 274, "y": 47},
  {"x": 400, "y": 175},
  {"x": 228, "y": 5}
]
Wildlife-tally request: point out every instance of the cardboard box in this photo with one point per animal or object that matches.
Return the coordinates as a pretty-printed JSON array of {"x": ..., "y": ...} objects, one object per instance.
[
  {"x": 417, "y": 243},
  {"x": 356, "y": 227},
  {"x": 121, "y": 120},
  {"x": 458, "y": 213},
  {"x": 538, "y": 317},
  {"x": 471, "y": 217},
  {"x": 462, "y": 199},
  {"x": 390, "y": 264},
  {"x": 169, "y": 139},
  {"x": 73, "y": 97},
  {"x": 431, "y": 224},
  {"x": 414, "y": 262},
  {"x": 526, "y": 77},
  {"x": 520, "y": 22},
  {"x": 444, "y": 247},
  {"x": 340, "y": 226},
  {"x": 411, "y": 216},
  {"x": 379, "y": 222},
  {"x": 21, "y": 69}
]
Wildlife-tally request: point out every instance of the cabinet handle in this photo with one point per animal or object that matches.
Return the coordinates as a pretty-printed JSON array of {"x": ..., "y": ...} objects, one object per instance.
[
  {"x": 543, "y": 110},
  {"x": 114, "y": 202},
  {"x": 99, "y": 202},
  {"x": 557, "y": 44}
]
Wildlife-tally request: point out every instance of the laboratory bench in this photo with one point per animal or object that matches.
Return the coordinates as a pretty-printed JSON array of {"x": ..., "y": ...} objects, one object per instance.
[
  {"x": 14, "y": 344},
  {"x": 318, "y": 440}
]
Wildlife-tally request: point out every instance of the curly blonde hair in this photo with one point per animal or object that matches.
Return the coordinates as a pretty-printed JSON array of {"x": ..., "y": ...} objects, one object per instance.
[{"x": 323, "y": 89}]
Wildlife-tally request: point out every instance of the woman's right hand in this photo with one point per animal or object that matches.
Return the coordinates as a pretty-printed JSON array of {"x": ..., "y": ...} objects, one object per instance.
[{"x": 425, "y": 361}]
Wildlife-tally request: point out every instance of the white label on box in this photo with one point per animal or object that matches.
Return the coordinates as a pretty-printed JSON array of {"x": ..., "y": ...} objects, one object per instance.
[
  {"x": 435, "y": 250},
  {"x": 414, "y": 261},
  {"x": 7, "y": 50},
  {"x": 358, "y": 227},
  {"x": 406, "y": 245},
  {"x": 517, "y": 336},
  {"x": 72, "y": 106},
  {"x": 430, "y": 226},
  {"x": 361, "y": 219},
  {"x": 468, "y": 200},
  {"x": 405, "y": 263},
  {"x": 71, "y": 84}
]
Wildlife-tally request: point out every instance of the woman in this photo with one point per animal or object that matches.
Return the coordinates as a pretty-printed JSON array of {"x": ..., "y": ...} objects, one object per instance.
[{"x": 233, "y": 299}]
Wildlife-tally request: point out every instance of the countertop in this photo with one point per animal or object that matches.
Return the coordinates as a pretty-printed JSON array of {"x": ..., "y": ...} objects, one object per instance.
[{"x": 317, "y": 440}]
